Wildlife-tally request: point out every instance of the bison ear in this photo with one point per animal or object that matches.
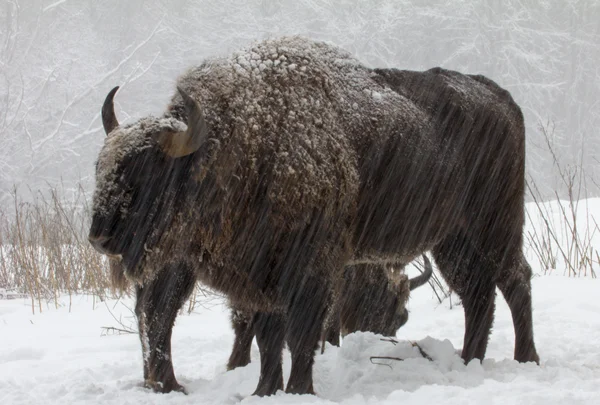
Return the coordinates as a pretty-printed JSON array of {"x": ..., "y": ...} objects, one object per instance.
[
  {"x": 109, "y": 119},
  {"x": 181, "y": 144}
]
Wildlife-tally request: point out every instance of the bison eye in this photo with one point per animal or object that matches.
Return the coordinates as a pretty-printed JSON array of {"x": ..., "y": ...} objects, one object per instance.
[{"x": 126, "y": 181}]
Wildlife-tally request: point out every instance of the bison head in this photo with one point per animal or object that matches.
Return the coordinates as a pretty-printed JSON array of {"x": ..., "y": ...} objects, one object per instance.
[
  {"x": 374, "y": 298},
  {"x": 139, "y": 173}
]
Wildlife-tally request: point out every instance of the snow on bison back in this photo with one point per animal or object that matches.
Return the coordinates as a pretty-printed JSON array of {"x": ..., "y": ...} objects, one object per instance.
[{"x": 274, "y": 168}]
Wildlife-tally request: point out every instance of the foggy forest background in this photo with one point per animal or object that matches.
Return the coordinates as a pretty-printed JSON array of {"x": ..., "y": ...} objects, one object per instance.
[{"x": 58, "y": 60}]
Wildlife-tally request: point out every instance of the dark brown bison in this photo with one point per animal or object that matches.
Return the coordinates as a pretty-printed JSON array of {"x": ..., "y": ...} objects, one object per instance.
[
  {"x": 274, "y": 168},
  {"x": 371, "y": 298}
]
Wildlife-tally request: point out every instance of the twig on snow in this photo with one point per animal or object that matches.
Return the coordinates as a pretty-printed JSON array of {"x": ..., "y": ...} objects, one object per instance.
[
  {"x": 111, "y": 330},
  {"x": 395, "y": 342}
]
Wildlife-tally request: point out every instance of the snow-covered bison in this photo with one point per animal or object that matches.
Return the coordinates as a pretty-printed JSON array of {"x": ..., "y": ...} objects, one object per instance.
[
  {"x": 370, "y": 298},
  {"x": 274, "y": 168}
]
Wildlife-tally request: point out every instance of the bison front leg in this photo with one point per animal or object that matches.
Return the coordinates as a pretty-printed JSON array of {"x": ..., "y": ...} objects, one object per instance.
[
  {"x": 140, "y": 313},
  {"x": 306, "y": 316},
  {"x": 156, "y": 308},
  {"x": 242, "y": 324},
  {"x": 331, "y": 329},
  {"x": 270, "y": 334}
]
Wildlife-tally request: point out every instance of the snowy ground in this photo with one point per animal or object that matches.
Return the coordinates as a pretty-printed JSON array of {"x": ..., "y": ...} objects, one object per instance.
[{"x": 61, "y": 358}]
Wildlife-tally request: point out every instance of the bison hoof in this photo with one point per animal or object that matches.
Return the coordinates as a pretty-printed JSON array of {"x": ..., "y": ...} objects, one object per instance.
[
  {"x": 263, "y": 392},
  {"x": 300, "y": 390},
  {"x": 233, "y": 364},
  {"x": 266, "y": 389},
  {"x": 527, "y": 358},
  {"x": 166, "y": 387}
]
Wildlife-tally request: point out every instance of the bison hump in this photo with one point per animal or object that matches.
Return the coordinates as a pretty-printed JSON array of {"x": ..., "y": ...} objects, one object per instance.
[{"x": 274, "y": 109}]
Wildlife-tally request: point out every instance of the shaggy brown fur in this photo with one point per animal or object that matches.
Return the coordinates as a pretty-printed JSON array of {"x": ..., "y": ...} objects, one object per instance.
[{"x": 307, "y": 161}]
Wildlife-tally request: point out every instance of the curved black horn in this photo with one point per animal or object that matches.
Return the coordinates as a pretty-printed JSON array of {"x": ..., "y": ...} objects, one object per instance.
[
  {"x": 109, "y": 119},
  {"x": 423, "y": 277}
]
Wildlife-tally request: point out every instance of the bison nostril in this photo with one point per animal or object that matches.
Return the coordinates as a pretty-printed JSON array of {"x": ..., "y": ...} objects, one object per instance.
[
  {"x": 98, "y": 241},
  {"x": 99, "y": 238}
]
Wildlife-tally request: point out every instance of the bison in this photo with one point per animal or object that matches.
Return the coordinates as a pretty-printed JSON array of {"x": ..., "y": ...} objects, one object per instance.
[
  {"x": 276, "y": 167},
  {"x": 371, "y": 298}
]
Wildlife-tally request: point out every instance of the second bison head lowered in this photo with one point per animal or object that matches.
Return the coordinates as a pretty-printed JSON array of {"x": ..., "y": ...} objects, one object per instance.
[
  {"x": 274, "y": 168},
  {"x": 370, "y": 298}
]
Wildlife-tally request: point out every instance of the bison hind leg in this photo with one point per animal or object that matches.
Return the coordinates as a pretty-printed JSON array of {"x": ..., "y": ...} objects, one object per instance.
[
  {"x": 241, "y": 321},
  {"x": 270, "y": 333},
  {"x": 468, "y": 274},
  {"x": 515, "y": 284}
]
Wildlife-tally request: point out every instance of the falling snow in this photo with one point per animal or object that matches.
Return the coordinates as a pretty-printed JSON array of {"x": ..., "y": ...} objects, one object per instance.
[{"x": 51, "y": 131}]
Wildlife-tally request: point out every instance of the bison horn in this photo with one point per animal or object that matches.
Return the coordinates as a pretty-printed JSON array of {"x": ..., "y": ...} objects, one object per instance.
[
  {"x": 185, "y": 143},
  {"x": 109, "y": 119},
  {"x": 424, "y": 277}
]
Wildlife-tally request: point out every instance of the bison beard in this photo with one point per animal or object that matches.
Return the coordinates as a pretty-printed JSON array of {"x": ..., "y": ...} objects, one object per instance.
[{"x": 295, "y": 162}]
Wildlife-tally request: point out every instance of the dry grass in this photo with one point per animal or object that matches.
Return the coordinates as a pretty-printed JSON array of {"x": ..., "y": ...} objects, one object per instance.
[
  {"x": 563, "y": 231},
  {"x": 44, "y": 251}
]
